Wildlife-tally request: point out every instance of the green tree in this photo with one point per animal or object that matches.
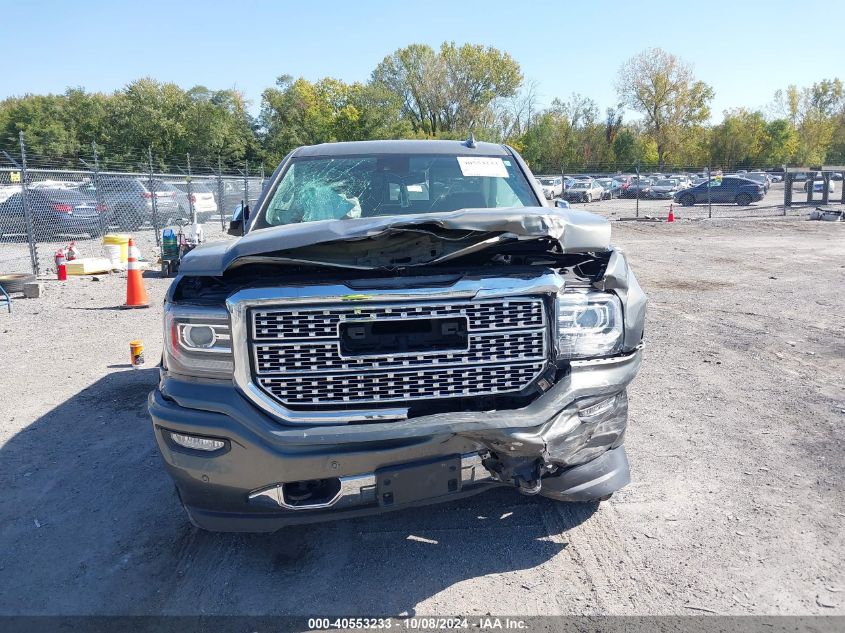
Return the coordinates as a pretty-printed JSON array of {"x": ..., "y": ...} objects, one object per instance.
[
  {"x": 630, "y": 149},
  {"x": 739, "y": 141},
  {"x": 780, "y": 143},
  {"x": 662, "y": 87},
  {"x": 450, "y": 90},
  {"x": 299, "y": 112},
  {"x": 217, "y": 124}
]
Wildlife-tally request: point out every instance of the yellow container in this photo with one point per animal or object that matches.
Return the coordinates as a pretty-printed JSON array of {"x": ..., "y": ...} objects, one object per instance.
[
  {"x": 136, "y": 353},
  {"x": 119, "y": 241},
  {"x": 88, "y": 266}
]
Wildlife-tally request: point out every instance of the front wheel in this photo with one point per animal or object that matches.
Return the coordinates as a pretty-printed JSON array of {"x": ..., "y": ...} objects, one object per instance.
[
  {"x": 589, "y": 198},
  {"x": 743, "y": 199},
  {"x": 688, "y": 200}
]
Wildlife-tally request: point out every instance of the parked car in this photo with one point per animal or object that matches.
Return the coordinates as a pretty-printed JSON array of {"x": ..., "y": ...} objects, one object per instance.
[
  {"x": 611, "y": 188},
  {"x": 818, "y": 186},
  {"x": 7, "y": 191},
  {"x": 836, "y": 175},
  {"x": 638, "y": 188},
  {"x": 775, "y": 177},
  {"x": 728, "y": 189},
  {"x": 205, "y": 203},
  {"x": 130, "y": 201},
  {"x": 684, "y": 181},
  {"x": 54, "y": 212},
  {"x": 552, "y": 186},
  {"x": 761, "y": 178},
  {"x": 585, "y": 191},
  {"x": 236, "y": 189},
  {"x": 384, "y": 382},
  {"x": 664, "y": 189}
]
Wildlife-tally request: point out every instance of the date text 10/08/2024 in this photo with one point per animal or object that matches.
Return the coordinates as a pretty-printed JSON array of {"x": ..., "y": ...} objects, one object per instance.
[{"x": 418, "y": 623}]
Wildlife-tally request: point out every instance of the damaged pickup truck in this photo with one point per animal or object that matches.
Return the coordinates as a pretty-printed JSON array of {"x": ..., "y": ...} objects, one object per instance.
[{"x": 402, "y": 322}]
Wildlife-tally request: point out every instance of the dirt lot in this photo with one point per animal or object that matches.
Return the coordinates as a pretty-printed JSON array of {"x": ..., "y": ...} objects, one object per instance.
[{"x": 736, "y": 441}]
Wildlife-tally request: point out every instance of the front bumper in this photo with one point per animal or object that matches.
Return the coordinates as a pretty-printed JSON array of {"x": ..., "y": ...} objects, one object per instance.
[{"x": 239, "y": 487}]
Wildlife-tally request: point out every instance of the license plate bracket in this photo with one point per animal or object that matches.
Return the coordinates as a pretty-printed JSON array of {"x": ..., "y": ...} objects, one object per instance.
[{"x": 408, "y": 483}]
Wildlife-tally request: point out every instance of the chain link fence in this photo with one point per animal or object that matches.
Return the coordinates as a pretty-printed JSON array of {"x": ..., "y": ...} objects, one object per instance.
[{"x": 45, "y": 206}]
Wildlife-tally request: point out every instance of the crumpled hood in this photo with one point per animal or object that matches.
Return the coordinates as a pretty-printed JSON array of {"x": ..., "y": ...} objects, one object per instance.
[{"x": 576, "y": 231}]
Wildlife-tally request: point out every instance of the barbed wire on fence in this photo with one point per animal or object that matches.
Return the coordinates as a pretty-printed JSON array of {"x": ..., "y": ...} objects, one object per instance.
[{"x": 46, "y": 200}]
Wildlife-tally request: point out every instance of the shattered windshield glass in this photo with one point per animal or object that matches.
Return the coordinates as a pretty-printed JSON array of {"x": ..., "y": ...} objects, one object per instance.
[{"x": 324, "y": 188}]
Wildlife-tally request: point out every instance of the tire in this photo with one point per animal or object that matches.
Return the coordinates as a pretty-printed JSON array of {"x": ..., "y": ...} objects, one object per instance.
[
  {"x": 743, "y": 199},
  {"x": 589, "y": 198},
  {"x": 14, "y": 282},
  {"x": 687, "y": 200}
]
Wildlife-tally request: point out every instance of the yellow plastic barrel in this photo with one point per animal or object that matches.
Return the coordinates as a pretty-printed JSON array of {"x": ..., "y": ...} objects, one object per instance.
[{"x": 117, "y": 247}]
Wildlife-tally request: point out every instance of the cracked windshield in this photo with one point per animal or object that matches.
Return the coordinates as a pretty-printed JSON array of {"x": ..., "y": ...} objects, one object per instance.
[{"x": 369, "y": 186}]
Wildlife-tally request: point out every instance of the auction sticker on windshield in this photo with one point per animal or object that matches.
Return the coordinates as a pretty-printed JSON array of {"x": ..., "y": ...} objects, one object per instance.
[{"x": 489, "y": 166}]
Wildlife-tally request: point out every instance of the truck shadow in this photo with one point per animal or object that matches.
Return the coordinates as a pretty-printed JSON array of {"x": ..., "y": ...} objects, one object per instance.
[{"x": 91, "y": 524}]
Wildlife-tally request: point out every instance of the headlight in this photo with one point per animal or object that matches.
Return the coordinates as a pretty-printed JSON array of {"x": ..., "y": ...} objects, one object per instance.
[
  {"x": 589, "y": 323},
  {"x": 197, "y": 341}
]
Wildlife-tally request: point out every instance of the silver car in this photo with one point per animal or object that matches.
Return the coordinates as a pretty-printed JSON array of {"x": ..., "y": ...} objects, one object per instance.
[
  {"x": 585, "y": 191},
  {"x": 552, "y": 186}
]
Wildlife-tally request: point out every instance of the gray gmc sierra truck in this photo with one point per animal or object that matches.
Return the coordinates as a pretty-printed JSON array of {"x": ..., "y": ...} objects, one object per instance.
[{"x": 401, "y": 322}]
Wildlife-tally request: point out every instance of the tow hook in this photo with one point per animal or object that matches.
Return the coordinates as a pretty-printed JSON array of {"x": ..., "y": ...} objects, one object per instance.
[
  {"x": 527, "y": 486},
  {"x": 524, "y": 473}
]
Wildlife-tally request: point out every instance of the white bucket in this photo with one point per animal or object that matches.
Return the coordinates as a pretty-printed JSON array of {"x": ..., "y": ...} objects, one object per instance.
[{"x": 113, "y": 255}]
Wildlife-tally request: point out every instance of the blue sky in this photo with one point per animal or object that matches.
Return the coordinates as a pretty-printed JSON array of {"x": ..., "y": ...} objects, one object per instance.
[{"x": 745, "y": 49}]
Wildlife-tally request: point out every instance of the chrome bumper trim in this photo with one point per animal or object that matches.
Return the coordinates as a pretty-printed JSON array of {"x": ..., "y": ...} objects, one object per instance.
[{"x": 359, "y": 490}]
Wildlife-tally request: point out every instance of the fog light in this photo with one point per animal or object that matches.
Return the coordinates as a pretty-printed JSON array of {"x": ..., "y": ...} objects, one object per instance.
[
  {"x": 197, "y": 443},
  {"x": 597, "y": 409}
]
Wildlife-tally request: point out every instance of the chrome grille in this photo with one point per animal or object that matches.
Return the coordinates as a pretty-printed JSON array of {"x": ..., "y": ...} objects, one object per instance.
[
  {"x": 486, "y": 347},
  {"x": 323, "y": 323},
  {"x": 400, "y": 386},
  {"x": 297, "y": 357}
]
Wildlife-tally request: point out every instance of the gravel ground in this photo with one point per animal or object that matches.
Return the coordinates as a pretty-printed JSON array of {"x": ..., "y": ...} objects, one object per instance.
[{"x": 735, "y": 440}]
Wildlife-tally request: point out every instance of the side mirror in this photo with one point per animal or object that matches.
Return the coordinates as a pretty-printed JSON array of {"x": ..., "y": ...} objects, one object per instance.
[
  {"x": 236, "y": 227},
  {"x": 239, "y": 220},
  {"x": 561, "y": 204}
]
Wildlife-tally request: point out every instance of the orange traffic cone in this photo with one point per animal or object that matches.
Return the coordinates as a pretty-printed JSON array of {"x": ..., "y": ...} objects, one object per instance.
[
  {"x": 671, "y": 217},
  {"x": 136, "y": 294}
]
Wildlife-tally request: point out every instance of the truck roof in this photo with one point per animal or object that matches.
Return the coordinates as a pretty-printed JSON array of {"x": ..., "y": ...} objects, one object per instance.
[{"x": 353, "y": 148}]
